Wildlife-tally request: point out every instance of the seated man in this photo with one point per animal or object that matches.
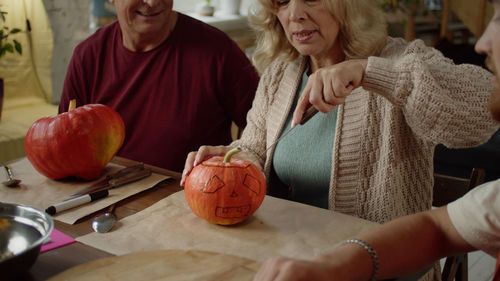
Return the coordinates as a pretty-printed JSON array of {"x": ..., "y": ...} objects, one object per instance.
[
  {"x": 409, "y": 244},
  {"x": 177, "y": 83}
]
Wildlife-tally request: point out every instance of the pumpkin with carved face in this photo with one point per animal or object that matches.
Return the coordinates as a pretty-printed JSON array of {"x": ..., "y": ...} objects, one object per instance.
[{"x": 225, "y": 191}]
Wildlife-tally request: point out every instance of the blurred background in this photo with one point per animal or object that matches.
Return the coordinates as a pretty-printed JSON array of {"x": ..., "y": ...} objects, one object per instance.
[{"x": 50, "y": 30}]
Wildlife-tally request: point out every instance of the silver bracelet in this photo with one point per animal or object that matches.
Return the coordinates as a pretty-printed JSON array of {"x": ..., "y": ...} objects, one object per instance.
[{"x": 372, "y": 253}]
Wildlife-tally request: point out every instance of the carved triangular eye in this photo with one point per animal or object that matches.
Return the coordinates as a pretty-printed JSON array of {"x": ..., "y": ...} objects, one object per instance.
[
  {"x": 252, "y": 183},
  {"x": 212, "y": 185}
]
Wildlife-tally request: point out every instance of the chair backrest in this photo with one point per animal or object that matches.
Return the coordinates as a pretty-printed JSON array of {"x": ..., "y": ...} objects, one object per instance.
[
  {"x": 474, "y": 14},
  {"x": 448, "y": 188}
]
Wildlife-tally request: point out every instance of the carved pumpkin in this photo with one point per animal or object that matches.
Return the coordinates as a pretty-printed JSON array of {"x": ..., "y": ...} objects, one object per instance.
[
  {"x": 77, "y": 143},
  {"x": 225, "y": 191}
]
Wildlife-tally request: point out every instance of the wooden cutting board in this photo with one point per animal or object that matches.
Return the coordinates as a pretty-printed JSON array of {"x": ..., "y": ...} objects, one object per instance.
[{"x": 164, "y": 265}]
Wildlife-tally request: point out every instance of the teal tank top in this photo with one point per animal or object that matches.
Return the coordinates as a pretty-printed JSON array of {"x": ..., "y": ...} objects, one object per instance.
[{"x": 303, "y": 159}]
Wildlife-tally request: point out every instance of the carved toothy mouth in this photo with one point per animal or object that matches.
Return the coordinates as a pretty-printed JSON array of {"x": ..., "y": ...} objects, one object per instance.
[{"x": 232, "y": 212}]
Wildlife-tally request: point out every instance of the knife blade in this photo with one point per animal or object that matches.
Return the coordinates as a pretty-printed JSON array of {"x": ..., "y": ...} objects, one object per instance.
[
  {"x": 122, "y": 177},
  {"x": 311, "y": 111}
]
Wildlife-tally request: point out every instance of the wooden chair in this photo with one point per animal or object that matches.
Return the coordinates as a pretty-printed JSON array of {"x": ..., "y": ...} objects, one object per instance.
[
  {"x": 448, "y": 189},
  {"x": 474, "y": 14}
]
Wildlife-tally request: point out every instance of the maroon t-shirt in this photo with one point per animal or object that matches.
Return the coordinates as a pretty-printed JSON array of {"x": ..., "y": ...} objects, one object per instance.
[{"x": 174, "y": 98}]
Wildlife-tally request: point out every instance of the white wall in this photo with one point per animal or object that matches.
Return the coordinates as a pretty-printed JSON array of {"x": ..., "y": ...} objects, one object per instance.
[
  {"x": 186, "y": 5},
  {"x": 70, "y": 25},
  {"x": 190, "y": 5}
]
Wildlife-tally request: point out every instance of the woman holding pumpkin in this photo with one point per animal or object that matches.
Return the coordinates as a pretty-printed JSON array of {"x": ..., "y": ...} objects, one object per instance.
[{"x": 384, "y": 105}]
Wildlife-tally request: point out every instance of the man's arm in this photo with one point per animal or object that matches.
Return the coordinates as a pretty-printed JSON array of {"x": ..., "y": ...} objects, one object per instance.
[
  {"x": 411, "y": 243},
  {"x": 403, "y": 246}
]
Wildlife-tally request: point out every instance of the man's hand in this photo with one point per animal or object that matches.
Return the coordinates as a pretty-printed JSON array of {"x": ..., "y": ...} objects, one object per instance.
[{"x": 283, "y": 268}]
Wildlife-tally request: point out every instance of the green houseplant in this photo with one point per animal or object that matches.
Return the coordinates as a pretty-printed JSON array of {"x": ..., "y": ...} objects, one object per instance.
[{"x": 7, "y": 46}]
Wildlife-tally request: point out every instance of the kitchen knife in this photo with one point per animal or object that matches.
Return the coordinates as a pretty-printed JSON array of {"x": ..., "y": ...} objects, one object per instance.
[
  {"x": 311, "y": 111},
  {"x": 122, "y": 177}
]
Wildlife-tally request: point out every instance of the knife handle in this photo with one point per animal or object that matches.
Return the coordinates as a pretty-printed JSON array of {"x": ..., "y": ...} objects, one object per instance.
[
  {"x": 311, "y": 111},
  {"x": 131, "y": 177}
]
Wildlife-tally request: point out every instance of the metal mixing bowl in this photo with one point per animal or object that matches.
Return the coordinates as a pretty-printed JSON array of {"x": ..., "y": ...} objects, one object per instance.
[{"x": 23, "y": 230}]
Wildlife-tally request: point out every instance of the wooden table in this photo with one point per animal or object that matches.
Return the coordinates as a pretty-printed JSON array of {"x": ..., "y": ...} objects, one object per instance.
[{"x": 55, "y": 261}]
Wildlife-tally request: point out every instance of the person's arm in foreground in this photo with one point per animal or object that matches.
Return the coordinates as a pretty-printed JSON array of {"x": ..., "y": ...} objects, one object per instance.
[{"x": 403, "y": 246}]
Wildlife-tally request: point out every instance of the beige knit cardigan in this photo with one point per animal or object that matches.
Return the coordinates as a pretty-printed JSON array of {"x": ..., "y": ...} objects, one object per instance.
[{"x": 411, "y": 99}]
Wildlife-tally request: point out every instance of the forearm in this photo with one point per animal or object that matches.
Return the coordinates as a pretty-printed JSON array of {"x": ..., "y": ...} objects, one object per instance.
[
  {"x": 253, "y": 138},
  {"x": 250, "y": 144},
  {"x": 441, "y": 102},
  {"x": 403, "y": 246}
]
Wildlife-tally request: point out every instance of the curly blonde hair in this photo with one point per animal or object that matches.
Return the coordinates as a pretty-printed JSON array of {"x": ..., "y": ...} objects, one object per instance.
[{"x": 363, "y": 30}]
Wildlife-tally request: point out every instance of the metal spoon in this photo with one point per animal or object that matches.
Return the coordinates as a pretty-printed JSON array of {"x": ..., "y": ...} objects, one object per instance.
[
  {"x": 105, "y": 222},
  {"x": 11, "y": 182}
]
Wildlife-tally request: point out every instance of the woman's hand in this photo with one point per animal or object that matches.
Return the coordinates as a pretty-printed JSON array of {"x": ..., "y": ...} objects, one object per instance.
[
  {"x": 348, "y": 262},
  {"x": 329, "y": 86},
  {"x": 206, "y": 151},
  {"x": 203, "y": 153}
]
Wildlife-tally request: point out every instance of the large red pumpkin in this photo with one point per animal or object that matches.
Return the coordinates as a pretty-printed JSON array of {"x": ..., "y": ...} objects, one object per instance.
[
  {"x": 225, "y": 190},
  {"x": 77, "y": 143}
]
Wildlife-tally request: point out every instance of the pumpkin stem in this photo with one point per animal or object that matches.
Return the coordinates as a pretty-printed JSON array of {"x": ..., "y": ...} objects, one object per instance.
[
  {"x": 230, "y": 153},
  {"x": 72, "y": 105}
]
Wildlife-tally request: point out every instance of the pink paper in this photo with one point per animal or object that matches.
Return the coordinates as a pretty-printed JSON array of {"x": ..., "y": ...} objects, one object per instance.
[{"x": 58, "y": 239}]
